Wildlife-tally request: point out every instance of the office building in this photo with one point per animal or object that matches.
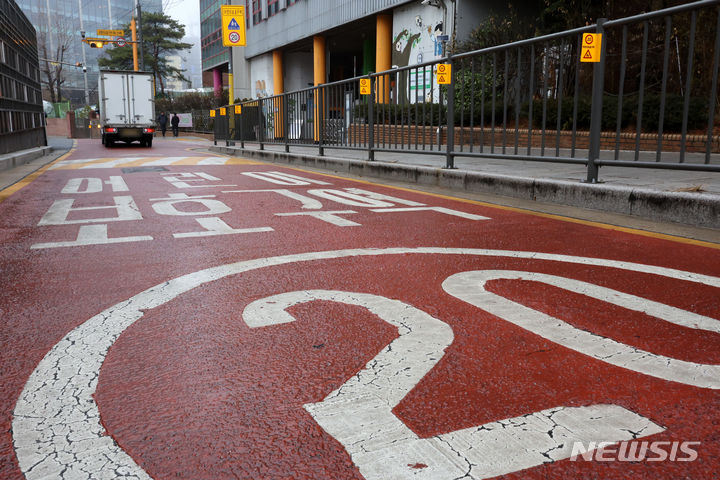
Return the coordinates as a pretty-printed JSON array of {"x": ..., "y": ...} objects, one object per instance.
[
  {"x": 21, "y": 113},
  {"x": 59, "y": 23},
  {"x": 293, "y": 44}
]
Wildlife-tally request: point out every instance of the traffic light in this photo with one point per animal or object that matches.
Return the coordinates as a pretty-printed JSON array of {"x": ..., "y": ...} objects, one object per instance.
[{"x": 96, "y": 44}]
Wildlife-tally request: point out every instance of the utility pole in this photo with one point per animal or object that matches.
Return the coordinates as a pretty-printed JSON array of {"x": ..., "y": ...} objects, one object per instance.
[
  {"x": 140, "y": 34},
  {"x": 133, "y": 33},
  {"x": 82, "y": 29}
]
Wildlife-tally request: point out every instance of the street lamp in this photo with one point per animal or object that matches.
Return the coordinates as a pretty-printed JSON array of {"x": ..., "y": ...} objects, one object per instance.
[{"x": 82, "y": 33}]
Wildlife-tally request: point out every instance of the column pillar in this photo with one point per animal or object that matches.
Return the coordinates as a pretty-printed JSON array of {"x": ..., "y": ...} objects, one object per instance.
[
  {"x": 217, "y": 81},
  {"x": 278, "y": 88},
  {"x": 383, "y": 55},
  {"x": 319, "y": 76}
]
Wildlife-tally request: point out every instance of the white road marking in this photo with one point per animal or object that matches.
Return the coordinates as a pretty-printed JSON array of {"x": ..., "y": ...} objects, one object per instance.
[
  {"x": 306, "y": 202},
  {"x": 167, "y": 206},
  {"x": 470, "y": 287},
  {"x": 332, "y": 217},
  {"x": 94, "y": 185},
  {"x": 56, "y": 424},
  {"x": 282, "y": 178},
  {"x": 105, "y": 162},
  {"x": 59, "y": 211},
  {"x": 92, "y": 235},
  {"x": 446, "y": 211},
  {"x": 359, "y": 413},
  {"x": 215, "y": 226}
]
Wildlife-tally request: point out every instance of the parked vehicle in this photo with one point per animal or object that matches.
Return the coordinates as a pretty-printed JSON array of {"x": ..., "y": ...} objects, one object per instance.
[{"x": 127, "y": 107}]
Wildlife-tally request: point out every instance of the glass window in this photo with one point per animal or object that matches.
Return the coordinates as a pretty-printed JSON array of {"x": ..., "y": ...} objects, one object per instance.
[
  {"x": 256, "y": 11},
  {"x": 273, "y": 7}
]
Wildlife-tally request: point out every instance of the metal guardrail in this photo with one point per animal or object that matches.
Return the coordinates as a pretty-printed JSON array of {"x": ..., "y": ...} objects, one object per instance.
[{"x": 651, "y": 101}]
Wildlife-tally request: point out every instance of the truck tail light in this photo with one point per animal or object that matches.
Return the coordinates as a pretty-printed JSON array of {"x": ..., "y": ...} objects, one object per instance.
[
  {"x": 148, "y": 130},
  {"x": 110, "y": 130}
]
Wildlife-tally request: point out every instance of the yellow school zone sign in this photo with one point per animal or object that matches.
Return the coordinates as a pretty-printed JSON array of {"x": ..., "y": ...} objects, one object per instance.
[
  {"x": 232, "y": 20},
  {"x": 591, "y": 47},
  {"x": 443, "y": 73},
  {"x": 364, "y": 86}
]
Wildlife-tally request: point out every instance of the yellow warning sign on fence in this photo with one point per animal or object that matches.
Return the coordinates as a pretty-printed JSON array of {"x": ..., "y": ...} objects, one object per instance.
[
  {"x": 223, "y": 111},
  {"x": 238, "y": 109},
  {"x": 443, "y": 73},
  {"x": 365, "y": 86},
  {"x": 591, "y": 47},
  {"x": 212, "y": 113}
]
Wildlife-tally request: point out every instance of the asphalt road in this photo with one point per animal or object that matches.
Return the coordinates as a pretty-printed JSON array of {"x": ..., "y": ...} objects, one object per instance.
[{"x": 170, "y": 313}]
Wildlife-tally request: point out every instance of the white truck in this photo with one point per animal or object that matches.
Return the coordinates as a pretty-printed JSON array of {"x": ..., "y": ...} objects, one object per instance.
[{"x": 127, "y": 107}]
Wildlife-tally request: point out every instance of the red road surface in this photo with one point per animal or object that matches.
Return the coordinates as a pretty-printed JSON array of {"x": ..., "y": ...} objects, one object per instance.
[{"x": 190, "y": 390}]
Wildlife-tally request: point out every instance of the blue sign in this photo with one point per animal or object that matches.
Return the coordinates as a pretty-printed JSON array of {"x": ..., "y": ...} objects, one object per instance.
[{"x": 233, "y": 25}]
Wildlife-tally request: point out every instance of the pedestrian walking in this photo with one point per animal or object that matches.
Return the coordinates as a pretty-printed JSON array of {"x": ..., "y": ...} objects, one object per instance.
[
  {"x": 175, "y": 122},
  {"x": 162, "y": 121}
]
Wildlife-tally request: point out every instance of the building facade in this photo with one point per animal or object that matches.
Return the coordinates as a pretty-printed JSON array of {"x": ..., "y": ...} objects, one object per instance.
[
  {"x": 59, "y": 23},
  {"x": 21, "y": 112},
  {"x": 293, "y": 44},
  {"x": 215, "y": 57}
]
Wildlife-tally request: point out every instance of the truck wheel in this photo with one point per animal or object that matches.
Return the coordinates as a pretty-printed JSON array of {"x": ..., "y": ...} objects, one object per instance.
[
  {"x": 108, "y": 143},
  {"x": 148, "y": 142}
]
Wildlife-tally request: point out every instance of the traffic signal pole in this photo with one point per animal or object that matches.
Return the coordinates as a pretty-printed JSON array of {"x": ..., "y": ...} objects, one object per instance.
[
  {"x": 134, "y": 43},
  {"x": 140, "y": 35},
  {"x": 82, "y": 47}
]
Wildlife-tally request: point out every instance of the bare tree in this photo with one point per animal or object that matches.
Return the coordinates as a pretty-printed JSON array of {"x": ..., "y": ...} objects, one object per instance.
[{"x": 53, "y": 45}]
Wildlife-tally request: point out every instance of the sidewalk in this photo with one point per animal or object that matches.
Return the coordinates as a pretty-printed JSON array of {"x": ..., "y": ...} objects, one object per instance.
[
  {"x": 691, "y": 198},
  {"x": 17, "y": 165}
]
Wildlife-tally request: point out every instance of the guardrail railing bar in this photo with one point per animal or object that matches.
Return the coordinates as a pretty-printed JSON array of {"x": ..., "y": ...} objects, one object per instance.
[
  {"x": 621, "y": 88},
  {"x": 713, "y": 89},
  {"x": 663, "y": 87},
  {"x": 688, "y": 86},
  {"x": 641, "y": 90}
]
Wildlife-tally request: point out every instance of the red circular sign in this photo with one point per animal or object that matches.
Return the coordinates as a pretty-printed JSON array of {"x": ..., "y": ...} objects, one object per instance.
[
  {"x": 234, "y": 37},
  {"x": 120, "y": 42}
]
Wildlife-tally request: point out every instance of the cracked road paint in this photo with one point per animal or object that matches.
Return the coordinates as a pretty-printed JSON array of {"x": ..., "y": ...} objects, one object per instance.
[
  {"x": 57, "y": 405},
  {"x": 469, "y": 286},
  {"x": 359, "y": 413}
]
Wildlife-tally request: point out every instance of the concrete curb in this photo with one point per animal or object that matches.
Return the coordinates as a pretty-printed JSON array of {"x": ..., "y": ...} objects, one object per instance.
[
  {"x": 15, "y": 159},
  {"x": 696, "y": 209}
]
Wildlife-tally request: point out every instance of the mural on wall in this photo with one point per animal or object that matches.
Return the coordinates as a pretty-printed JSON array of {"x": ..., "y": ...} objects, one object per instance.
[
  {"x": 415, "y": 31},
  {"x": 260, "y": 90}
]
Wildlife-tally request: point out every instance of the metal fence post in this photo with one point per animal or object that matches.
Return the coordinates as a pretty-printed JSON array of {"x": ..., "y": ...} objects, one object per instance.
[
  {"x": 242, "y": 136},
  {"x": 596, "y": 107},
  {"x": 321, "y": 119},
  {"x": 286, "y": 121},
  {"x": 216, "y": 126},
  {"x": 227, "y": 126},
  {"x": 371, "y": 122},
  {"x": 261, "y": 122},
  {"x": 449, "y": 157}
]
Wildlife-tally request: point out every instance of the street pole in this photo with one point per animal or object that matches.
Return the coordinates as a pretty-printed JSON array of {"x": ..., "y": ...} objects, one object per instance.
[
  {"x": 140, "y": 35},
  {"x": 82, "y": 46},
  {"x": 133, "y": 34}
]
